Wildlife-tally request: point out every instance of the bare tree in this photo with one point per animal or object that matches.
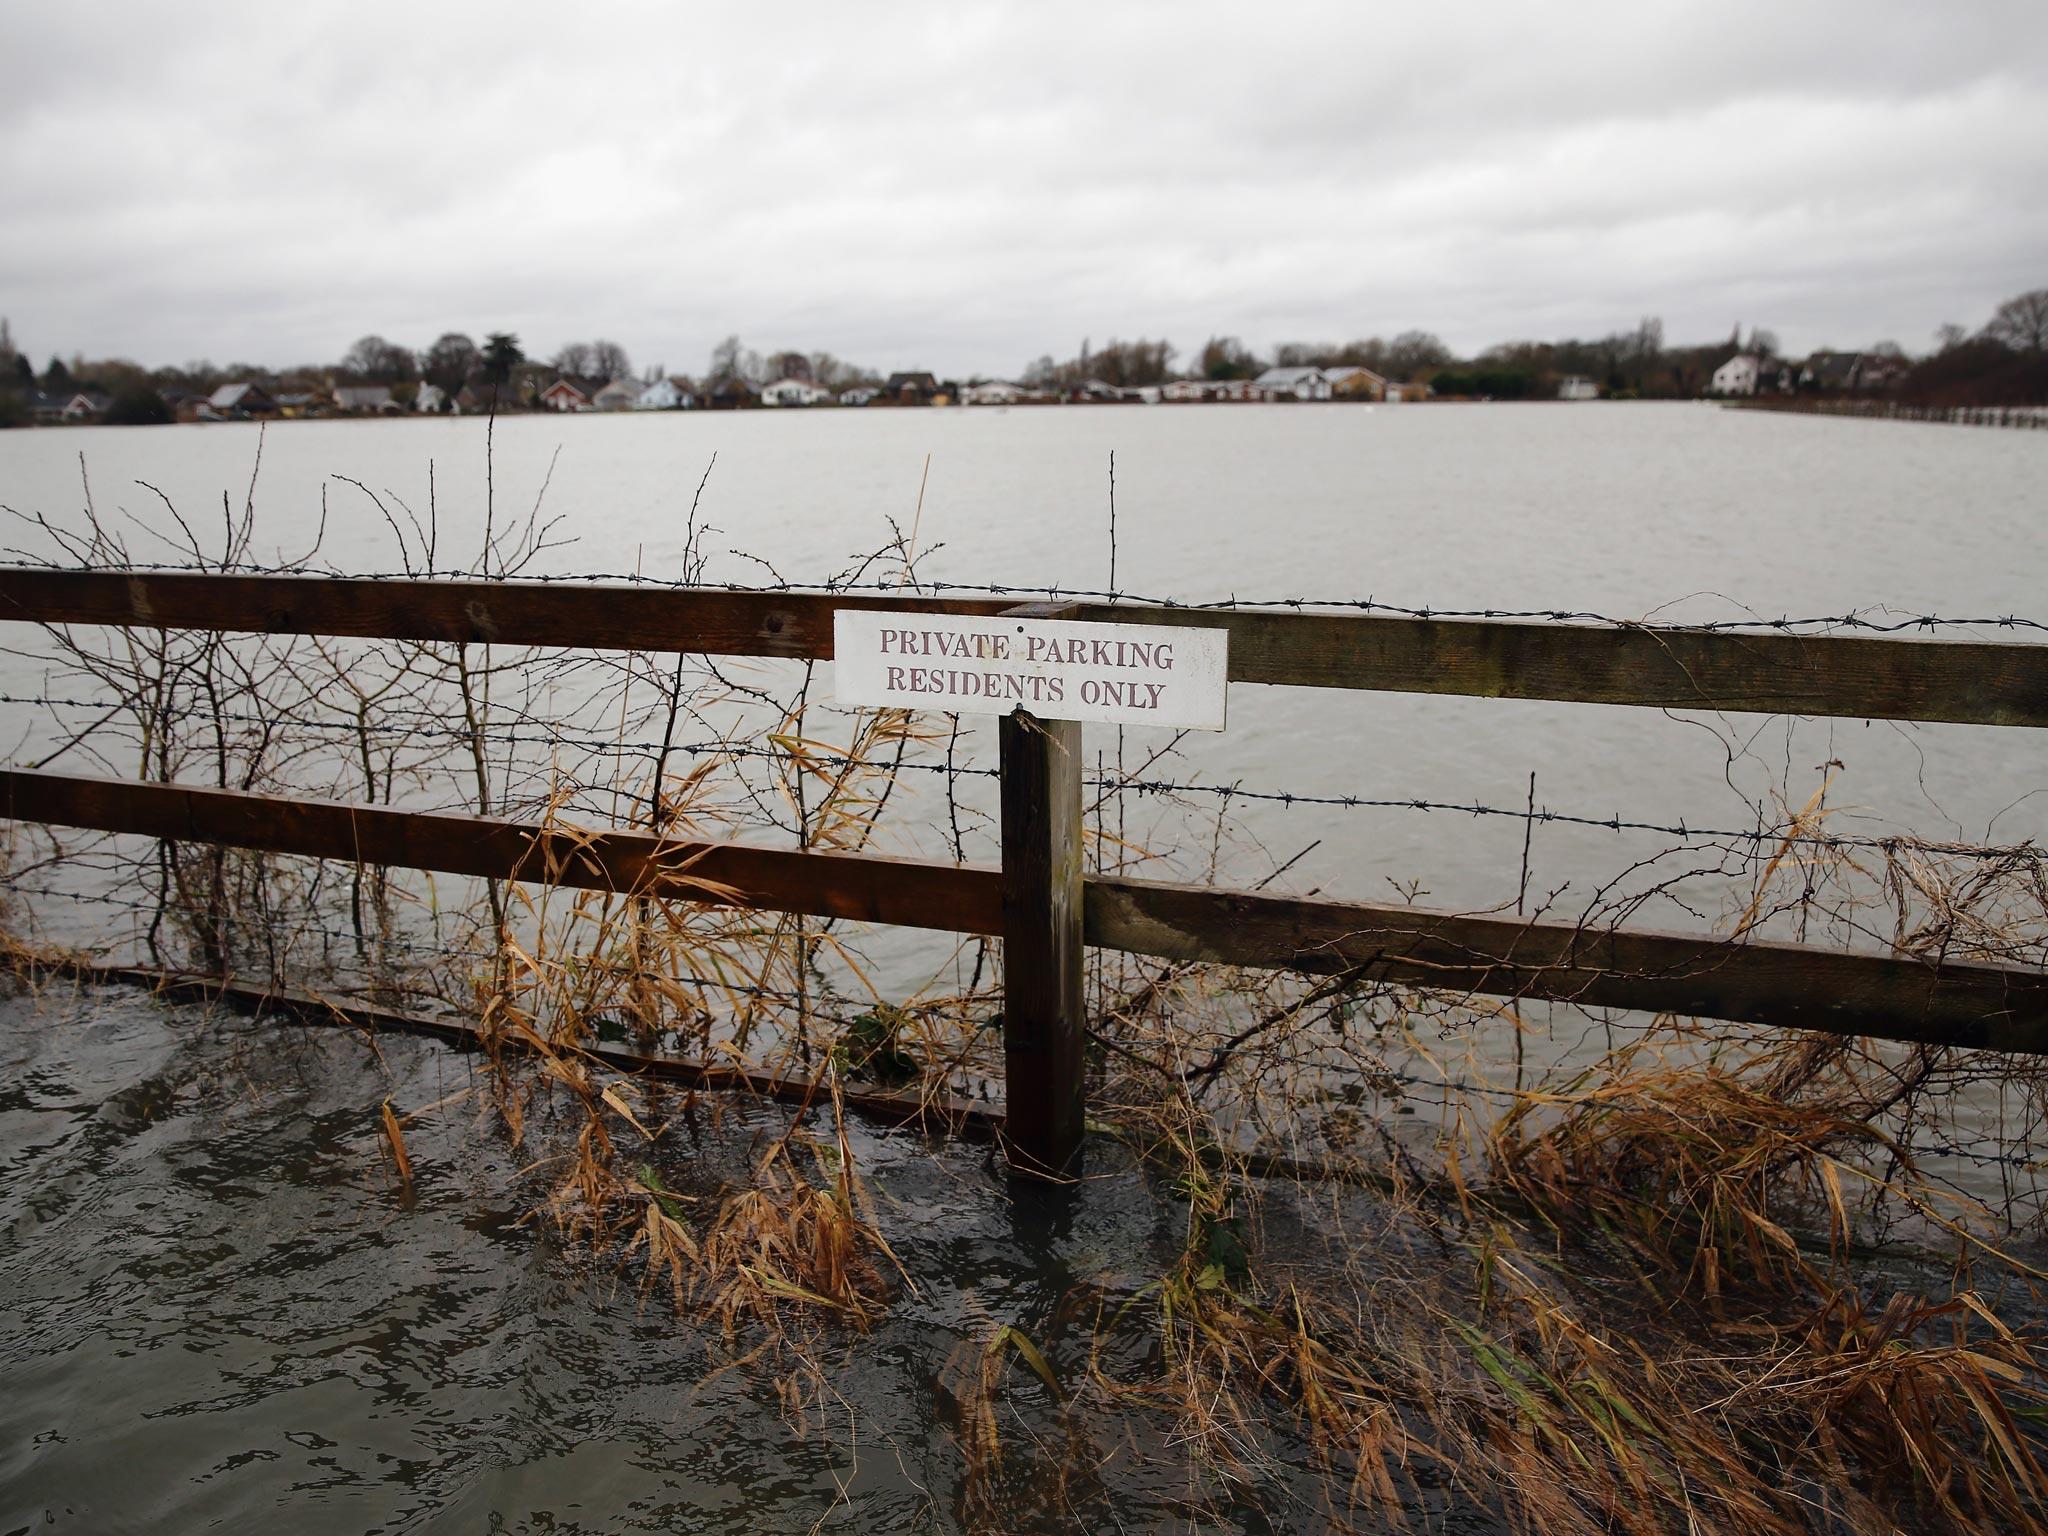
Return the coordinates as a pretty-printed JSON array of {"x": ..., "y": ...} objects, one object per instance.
[
  {"x": 608, "y": 360},
  {"x": 1412, "y": 351},
  {"x": 791, "y": 365},
  {"x": 2022, "y": 323},
  {"x": 578, "y": 360},
  {"x": 835, "y": 374},
  {"x": 380, "y": 361},
  {"x": 726, "y": 360}
]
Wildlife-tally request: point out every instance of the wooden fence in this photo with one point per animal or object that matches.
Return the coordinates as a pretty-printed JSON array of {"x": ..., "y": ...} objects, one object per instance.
[
  {"x": 2026, "y": 418},
  {"x": 1039, "y": 900}
]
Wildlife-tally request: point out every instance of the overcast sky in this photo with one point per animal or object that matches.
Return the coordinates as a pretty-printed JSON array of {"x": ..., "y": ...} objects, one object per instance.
[{"x": 964, "y": 187}]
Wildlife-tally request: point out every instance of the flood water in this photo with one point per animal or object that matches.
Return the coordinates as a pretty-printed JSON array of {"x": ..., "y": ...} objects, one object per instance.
[
  {"x": 1677, "y": 512},
  {"x": 217, "y": 1312}
]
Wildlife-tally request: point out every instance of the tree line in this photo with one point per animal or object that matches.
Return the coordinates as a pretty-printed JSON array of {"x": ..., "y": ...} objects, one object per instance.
[{"x": 2004, "y": 362}]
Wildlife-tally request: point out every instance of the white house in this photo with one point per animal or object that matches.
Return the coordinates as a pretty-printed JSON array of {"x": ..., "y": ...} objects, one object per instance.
[
  {"x": 1737, "y": 376},
  {"x": 1297, "y": 383},
  {"x": 662, "y": 395},
  {"x": 432, "y": 400},
  {"x": 1576, "y": 386},
  {"x": 795, "y": 392},
  {"x": 995, "y": 392},
  {"x": 618, "y": 395},
  {"x": 1354, "y": 383}
]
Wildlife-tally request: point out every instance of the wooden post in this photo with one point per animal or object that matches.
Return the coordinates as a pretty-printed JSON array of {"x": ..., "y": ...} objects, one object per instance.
[{"x": 1043, "y": 1022}]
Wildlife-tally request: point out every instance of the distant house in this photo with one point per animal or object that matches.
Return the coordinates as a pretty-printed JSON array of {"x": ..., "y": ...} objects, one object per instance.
[
  {"x": 565, "y": 395},
  {"x": 1830, "y": 370},
  {"x": 1877, "y": 371},
  {"x": 51, "y": 406},
  {"x": 994, "y": 392},
  {"x": 1293, "y": 384},
  {"x": 618, "y": 395},
  {"x": 1214, "y": 391},
  {"x": 909, "y": 389},
  {"x": 733, "y": 394},
  {"x": 1354, "y": 383},
  {"x": 432, "y": 400},
  {"x": 664, "y": 395},
  {"x": 363, "y": 399},
  {"x": 1576, "y": 386},
  {"x": 1738, "y": 376},
  {"x": 860, "y": 395},
  {"x": 1407, "y": 391},
  {"x": 795, "y": 392},
  {"x": 239, "y": 402},
  {"x": 300, "y": 403}
]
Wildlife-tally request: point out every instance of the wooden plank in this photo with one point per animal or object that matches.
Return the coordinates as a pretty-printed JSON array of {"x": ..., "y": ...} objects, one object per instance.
[
  {"x": 1044, "y": 1020},
  {"x": 568, "y": 614},
  {"x": 1972, "y": 1004},
  {"x": 926, "y": 1111},
  {"x": 1856, "y": 676},
  {"x": 862, "y": 888}
]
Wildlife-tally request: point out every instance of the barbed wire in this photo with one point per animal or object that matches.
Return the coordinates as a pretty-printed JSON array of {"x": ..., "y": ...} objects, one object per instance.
[
  {"x": 1875, "y": 619},
  {"x": 1784, "y": 835},
  {"x": 388, "y": 941},
  {"x": 1375, "y": 1071}
]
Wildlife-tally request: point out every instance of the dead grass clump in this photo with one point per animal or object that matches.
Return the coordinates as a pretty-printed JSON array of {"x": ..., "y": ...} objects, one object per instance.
[
  {"x": 796, "y": 1241},
  {"x": 1692, "y": 1170}
]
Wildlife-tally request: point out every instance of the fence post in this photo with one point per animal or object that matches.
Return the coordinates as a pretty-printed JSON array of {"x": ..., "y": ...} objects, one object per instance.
[{"x": 1043, "y": 1022}]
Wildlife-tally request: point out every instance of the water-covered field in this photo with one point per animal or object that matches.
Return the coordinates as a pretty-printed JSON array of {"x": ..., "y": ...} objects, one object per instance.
[{"x": 1600, "y": 1271}]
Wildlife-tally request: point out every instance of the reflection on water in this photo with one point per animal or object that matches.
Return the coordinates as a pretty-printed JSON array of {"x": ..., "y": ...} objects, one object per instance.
[
  {"x": 217, "y": 1312},
  {"x": 1676, "y": 511}
]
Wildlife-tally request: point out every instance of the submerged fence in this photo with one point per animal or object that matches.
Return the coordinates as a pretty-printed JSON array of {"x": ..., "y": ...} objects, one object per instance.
[
  {"x": 1039, "y": 900},
  {"x": 2023, "y": 417}
]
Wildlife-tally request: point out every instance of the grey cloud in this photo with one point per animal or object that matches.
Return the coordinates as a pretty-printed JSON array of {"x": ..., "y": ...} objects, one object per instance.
[{"x": 966, "y": 186}]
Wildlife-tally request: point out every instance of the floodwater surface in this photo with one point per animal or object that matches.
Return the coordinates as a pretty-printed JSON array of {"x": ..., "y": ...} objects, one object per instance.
[{"x": 218, "y": 1310}]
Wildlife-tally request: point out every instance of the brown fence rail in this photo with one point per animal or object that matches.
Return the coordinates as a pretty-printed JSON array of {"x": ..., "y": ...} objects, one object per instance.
[
  {"x": 1039, "y": 901},
  {"x": 1966, "y": 682}
]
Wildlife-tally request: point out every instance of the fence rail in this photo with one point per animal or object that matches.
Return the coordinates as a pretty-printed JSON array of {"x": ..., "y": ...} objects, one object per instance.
[
  {"x": 1859, "y": 676},
  {"x": 2031, "y": 418},
  {"x": 1039, "y": 901}
]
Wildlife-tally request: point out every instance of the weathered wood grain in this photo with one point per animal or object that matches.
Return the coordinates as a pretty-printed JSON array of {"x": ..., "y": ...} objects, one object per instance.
[
  {"x": 1857, "y": 676},
  {"x": 566, "y": 614},
  {"x": 1971, "y": 1004},
  {"x": 1044, "y": 1019},
  {"x": 857, "y": 887},
  {"x": 930, "y": 1111}
]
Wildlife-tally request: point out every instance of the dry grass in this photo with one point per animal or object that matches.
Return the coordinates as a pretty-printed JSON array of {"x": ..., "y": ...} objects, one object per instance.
[{"x": 1656, "y": 1290}]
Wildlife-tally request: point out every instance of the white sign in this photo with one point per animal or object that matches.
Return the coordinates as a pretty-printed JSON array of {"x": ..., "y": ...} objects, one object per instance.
[{"x": 1059, "y": 669}]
